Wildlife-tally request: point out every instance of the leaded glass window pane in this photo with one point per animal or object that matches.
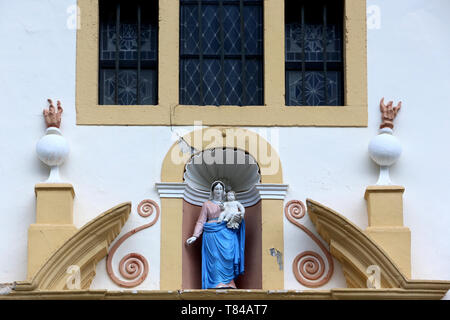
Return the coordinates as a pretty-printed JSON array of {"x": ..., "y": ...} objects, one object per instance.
[
  {"x": 314, "y": 88},
  {"x": 221, "y": 50},
  {"x": 128, "y": 52},
  {"x": 127, "y": 86},
  {"x": 314, "y": 52}
]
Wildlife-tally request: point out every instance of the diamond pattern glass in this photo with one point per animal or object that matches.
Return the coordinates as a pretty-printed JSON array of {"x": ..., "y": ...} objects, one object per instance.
[
  {"x": 254, "y": 82},
  {"x": 253, "y": 30},
  {"x": 233, "y": 82},
  {"x": 189, "y": 27},
  {"x": 232, "y": 36},
  {"x": 190, "y": 81},
  {"x": 220, "y": 64},
  {"x": 211, "y": 82}
]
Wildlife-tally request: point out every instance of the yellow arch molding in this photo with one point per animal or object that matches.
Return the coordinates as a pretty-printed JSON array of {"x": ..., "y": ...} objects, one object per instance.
[
  {"x": 84, "y": 249},
  {"x": 171, "y": 208},
  {"x": 356, "y": 252},
  {"x": 223, "y": 137}
]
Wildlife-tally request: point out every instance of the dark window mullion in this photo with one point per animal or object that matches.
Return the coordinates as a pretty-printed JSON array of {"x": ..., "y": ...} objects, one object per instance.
[
  {"x": 325, "y": 54},
  {"x": 182, "y": 61},
  {"x": 222, "y": 55},
  {"x": 156, "y": 26},
  {"x": 314, "y": 66},
  {"x": 138, "y": 76},
  {"x": 340, "y": 26},
  {"x": 225, "y": 2},
  {"x": 115, "y": 61},
  {"x": 217, "y": 56},
  {"x": 303, "y": 54},
  {"x": 196, "y": 93},
  {"x": 243, "y": 80},
  {"x": 200, "y": 48},
  {"x": 327, "y": 15},
  {"x": 129, "y": 64},
  {"x": 116, "y": 93}
]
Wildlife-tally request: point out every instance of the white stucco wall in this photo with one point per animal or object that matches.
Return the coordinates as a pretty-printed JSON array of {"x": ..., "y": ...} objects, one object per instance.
[{"x": 407, "y": 60}]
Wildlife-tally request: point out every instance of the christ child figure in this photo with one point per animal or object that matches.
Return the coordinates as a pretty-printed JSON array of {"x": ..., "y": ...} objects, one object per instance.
[{"x": 233, "y": 211}]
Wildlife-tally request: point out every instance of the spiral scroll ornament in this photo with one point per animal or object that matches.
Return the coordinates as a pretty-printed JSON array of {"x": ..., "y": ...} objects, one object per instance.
[
  {"x": 146, "y": 207},
  {"x": 133, "y": 266},
  {"x": 308, "y": 267}
]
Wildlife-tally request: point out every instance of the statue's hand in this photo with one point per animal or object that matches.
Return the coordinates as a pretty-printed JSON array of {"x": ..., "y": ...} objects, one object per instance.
[
  {"x": 238, "y": 218},
  {"x": 52, "y": 116},
  {"x": 222, "y": 207},
  {"x": 191, "y": 240}
]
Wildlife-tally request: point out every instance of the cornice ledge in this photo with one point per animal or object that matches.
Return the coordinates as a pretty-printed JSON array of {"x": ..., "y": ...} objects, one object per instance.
[
  {"x": 260, "y": 295},
  {"x": 385, "y": 294},
  {"x": 54, "y": 186},
  {"x": 171, "y": 189},
  {"x": 84, "y": 249},
  {"x": 356, "y": 252},
  {"x": 260, "y": 191},
  {"x": 272, "y": 191}
]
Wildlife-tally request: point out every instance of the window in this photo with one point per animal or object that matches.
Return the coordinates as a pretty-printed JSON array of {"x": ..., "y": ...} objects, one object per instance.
[
  {"x": 128, "y": 52},
  {"x": 192, "y": 55},
  {"x": 314, "y": 53},
  {"x": 221, "y": 50}
]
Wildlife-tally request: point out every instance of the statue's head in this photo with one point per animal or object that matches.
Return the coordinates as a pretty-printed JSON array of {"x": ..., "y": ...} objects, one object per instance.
[
  {"x": 217, "y": 190},
  {"x": 231, "y": 196}
]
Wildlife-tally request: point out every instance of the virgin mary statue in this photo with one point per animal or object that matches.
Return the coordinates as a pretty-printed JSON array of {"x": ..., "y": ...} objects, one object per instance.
[{"x": 222, "y": 247}]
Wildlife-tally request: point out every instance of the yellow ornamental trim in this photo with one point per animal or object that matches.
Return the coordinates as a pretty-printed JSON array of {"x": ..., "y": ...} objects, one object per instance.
[
  {"x": 358, "y": 254},
  {"x": 72, "y": 266},
  {"x": 274, "y": 112}
]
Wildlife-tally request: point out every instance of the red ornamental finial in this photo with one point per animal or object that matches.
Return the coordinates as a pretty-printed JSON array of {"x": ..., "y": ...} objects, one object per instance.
[
  {"x": 53, "y": 116},
  {"x": 388, "y": 113}
]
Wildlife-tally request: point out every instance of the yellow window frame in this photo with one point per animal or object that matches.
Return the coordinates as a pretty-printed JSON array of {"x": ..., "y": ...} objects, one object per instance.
[{"x": 273, "y": 113}]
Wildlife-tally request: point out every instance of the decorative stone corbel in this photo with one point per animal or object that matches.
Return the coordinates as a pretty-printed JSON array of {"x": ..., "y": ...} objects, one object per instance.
[
  {"x": 358, "y": 254},
  {"x": 72, "y": 265}
]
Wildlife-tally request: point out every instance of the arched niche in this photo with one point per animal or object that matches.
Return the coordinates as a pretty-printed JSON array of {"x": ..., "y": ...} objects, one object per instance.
[
  {"x": 240, "y": 173},
  {"x": 175, "y": 195}
]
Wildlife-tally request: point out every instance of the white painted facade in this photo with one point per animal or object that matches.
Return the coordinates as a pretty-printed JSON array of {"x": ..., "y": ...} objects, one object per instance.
[{"x": 407, "y": 60}]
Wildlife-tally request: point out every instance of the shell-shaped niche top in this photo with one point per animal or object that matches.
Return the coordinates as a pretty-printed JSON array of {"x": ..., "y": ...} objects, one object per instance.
[{"x": 237, "y": 169}]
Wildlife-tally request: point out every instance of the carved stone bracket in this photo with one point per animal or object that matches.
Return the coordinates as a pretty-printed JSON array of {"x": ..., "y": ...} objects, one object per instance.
[
  {"x": 357, "y": 253},
  {"x": 83, "y": 250}
]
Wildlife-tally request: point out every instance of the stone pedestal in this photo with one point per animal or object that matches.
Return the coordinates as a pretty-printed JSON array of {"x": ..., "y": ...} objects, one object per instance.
[
  {"x": 54, "y": 223},
  {"x": 385, "y": 211}
]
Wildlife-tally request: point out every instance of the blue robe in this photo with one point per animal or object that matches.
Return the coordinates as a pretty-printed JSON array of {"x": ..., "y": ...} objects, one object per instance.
[{"x": 222, "y": 254}]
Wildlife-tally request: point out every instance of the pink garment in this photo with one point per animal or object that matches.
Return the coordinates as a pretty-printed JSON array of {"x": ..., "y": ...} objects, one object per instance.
[{"x": 210, "y": 211}]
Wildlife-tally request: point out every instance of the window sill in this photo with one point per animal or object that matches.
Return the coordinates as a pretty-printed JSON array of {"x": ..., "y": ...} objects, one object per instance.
[{"x": 265, "y": 116}]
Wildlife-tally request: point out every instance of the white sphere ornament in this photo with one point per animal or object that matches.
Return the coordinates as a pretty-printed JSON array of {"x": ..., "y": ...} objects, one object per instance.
[
  {"x": 385, "y": 150},
  {"x": 53, "y": 149}
]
